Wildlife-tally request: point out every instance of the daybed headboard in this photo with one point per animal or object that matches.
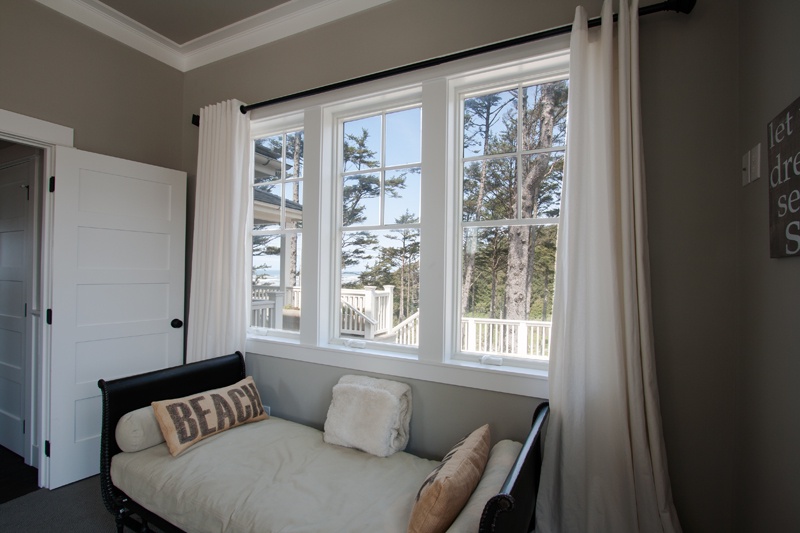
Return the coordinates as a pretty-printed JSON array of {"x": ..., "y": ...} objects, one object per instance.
[{"x": 123, "y": 395}]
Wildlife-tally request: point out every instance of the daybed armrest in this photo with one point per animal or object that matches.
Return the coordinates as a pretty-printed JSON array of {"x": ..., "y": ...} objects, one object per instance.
[
  {"x": 123, "y": 395},
  {"x": 513, "y": 509}
]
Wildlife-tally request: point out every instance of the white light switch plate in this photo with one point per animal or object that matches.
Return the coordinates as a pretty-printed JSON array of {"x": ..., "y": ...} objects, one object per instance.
[
  {"x": 746, "y": 169},
  {"x": 755, "y": 162}
]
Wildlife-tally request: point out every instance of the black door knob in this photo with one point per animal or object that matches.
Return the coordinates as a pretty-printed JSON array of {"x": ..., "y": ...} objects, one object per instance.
[{"x": 176, "y": 323}]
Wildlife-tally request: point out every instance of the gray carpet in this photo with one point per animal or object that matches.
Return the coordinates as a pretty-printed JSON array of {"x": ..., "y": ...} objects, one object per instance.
[{"x": 76, "y": 507}]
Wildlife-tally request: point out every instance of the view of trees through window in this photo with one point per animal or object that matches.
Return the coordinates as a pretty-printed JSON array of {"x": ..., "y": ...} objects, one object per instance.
[
  {"x": 380, "y": 235},
  {"x": 277, "y": 235},
  {"x": 513, "y": 163}
]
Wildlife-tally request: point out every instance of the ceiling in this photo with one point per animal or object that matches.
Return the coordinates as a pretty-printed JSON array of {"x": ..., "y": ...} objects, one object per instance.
[
  {"x": 187, "y": 34},
  {"x": 182, "y": 21}
]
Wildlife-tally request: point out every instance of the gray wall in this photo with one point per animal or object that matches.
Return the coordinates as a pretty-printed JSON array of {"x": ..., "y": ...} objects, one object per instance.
[
  {"x": 769, "y": 80},
  {"x": 689, "y": 99},
  {"x": 725, "y": 315},
  {"x": 689, "y": 78},
  {"x": 441, "y": 414},
  {"x": 118, "y": 101}
]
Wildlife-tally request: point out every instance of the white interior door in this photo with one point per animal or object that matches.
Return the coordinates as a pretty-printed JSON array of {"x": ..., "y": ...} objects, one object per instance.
[
  {"x": 117, "y": 271},
  {"x": 15, "y": 274}
]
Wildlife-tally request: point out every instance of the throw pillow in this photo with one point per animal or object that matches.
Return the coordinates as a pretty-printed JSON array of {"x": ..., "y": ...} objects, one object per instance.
[
  {"x": 445, "y": 491},
  {"x": 185, "y": 421}
]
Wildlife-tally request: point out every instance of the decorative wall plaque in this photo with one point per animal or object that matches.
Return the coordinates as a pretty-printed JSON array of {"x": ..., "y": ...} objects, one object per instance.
[{"x": 783, "y": 157}]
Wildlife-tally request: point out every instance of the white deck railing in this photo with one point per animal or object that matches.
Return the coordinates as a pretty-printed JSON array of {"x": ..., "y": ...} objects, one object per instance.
[
  {"x": 365, "y": 312},
  {"x": 407, "y": 331},
  {"x": 521, "y": 338},
  {"x": 368, "y": 313}
]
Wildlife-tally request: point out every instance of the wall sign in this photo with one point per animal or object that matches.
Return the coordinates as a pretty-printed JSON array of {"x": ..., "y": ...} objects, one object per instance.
[{"x": 783, "y": 156}]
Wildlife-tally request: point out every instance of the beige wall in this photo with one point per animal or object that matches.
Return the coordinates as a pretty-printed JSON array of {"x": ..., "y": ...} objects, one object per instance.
[
  {"x": 725, "y": 315},
  {"x": 769, "y": 371},
  {"x": 118, "y": 101}
]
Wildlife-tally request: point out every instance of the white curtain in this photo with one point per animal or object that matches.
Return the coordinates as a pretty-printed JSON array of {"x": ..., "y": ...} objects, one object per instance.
[
  {"x": 605, "y": 467},
  {"x": 220, "y": 286}
]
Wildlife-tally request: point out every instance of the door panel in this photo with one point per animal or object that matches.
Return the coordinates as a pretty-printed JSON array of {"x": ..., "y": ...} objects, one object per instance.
[
  {"x": 117, "y": 271},
  {"x": 15, "y": 183}
]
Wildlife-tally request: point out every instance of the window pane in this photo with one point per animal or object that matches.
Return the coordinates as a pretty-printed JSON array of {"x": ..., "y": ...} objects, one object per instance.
[
  {"x": 362, "y": 144},
  {"x": 507, "y": 290},
  {"x": 545, "y": 121},
  {"x": 361, "y": 200},
  {"x": 293, "y": 204},
  {"x": 403, "y": 137},
  {"x": 542, "y": 176},
  {"x": 380, "y": 285},
  {"x": 267, "y": 206},
  {"x": 294, "y": 155},
  {"x": 267, "y": 165},
  {"x": 490, "y": 189},
  {"x": 276, "y": 281},
  {"x": 490, "y": 124},
  {"x": 401, "y": 196}
]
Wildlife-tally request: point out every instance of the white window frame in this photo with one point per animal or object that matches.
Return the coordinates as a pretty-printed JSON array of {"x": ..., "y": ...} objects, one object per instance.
[
  {"x": 340, "y": 113},
  {"x": 275, "y": 126},
  {"x": 436, "y": 358},
  {"x": 467, "y": 86}
]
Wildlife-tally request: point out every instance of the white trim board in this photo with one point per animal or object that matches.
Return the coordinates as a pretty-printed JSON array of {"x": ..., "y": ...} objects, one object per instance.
[
  {"x": 26, "y": 128},
  {"x": 282, "y": 21}
]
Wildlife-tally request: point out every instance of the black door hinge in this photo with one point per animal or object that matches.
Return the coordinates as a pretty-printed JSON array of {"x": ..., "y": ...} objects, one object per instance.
[
  {"x": 52, "y": 184},
  {"x": 47, "y": 448},
  {"x": 49, "y": 318}
]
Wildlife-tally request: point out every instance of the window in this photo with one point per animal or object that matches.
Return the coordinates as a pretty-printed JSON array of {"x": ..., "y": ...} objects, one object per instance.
[
  {"x": 513, "y": 163},
  {"x": 424, "y": 210},
  {"x": 277, "y": 231},
  {"x": 379, "y": 186}
]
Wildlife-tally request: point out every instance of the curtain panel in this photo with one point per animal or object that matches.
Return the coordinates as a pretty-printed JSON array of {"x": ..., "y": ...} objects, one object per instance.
[
  {"x": 220, "y": 277},
  {"x": 605, "y": 466}
]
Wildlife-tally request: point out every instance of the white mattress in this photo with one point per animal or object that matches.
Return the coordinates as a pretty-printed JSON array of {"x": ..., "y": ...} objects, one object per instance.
[{"x": 273, "y": 476}]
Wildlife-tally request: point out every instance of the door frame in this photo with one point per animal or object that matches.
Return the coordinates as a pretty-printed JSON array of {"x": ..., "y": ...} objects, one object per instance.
[{"x": 31, "y": 131}]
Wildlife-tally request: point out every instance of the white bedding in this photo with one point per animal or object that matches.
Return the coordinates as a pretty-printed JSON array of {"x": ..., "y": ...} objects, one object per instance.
[{"x": 273, "y": 476}]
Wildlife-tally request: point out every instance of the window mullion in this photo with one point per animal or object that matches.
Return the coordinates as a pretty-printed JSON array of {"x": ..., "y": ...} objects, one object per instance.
[
  {"x": 316, "y": 229},
  {"x": 436, "y": 242}
]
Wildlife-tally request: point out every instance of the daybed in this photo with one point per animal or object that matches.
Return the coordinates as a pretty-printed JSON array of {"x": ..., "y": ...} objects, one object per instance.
[{"x": 276, "y": 475}]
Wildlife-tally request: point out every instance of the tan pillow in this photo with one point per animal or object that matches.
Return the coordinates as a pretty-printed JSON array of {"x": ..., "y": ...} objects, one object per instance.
[
  {"x": 185, "y": 421},
  {"x": 446, "y": 490}
]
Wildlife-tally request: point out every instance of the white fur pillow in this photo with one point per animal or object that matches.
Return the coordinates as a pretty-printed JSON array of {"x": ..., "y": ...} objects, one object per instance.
[{"x": 138, "y": 430}]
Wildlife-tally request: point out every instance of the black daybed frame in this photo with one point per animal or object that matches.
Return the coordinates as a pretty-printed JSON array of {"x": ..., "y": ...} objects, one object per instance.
[{"x": 512, "y": 510}]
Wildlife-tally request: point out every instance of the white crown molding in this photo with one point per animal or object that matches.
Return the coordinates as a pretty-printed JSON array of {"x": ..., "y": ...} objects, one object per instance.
[{"x": 282, "y": 21}]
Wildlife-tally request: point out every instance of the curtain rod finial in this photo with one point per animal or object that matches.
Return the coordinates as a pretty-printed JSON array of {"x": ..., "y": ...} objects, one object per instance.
[
  {"x": 683, "y": 6},
  {"x": 243, "y": 109},
  {"x": 196, "y": 120}
]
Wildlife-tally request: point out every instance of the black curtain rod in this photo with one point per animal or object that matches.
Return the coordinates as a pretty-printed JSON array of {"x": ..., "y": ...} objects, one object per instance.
[{"x": 679, "y": 6}]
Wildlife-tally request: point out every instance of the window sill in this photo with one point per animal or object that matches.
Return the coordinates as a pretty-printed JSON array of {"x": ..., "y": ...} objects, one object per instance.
[{"x": 511, "y": 380}]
